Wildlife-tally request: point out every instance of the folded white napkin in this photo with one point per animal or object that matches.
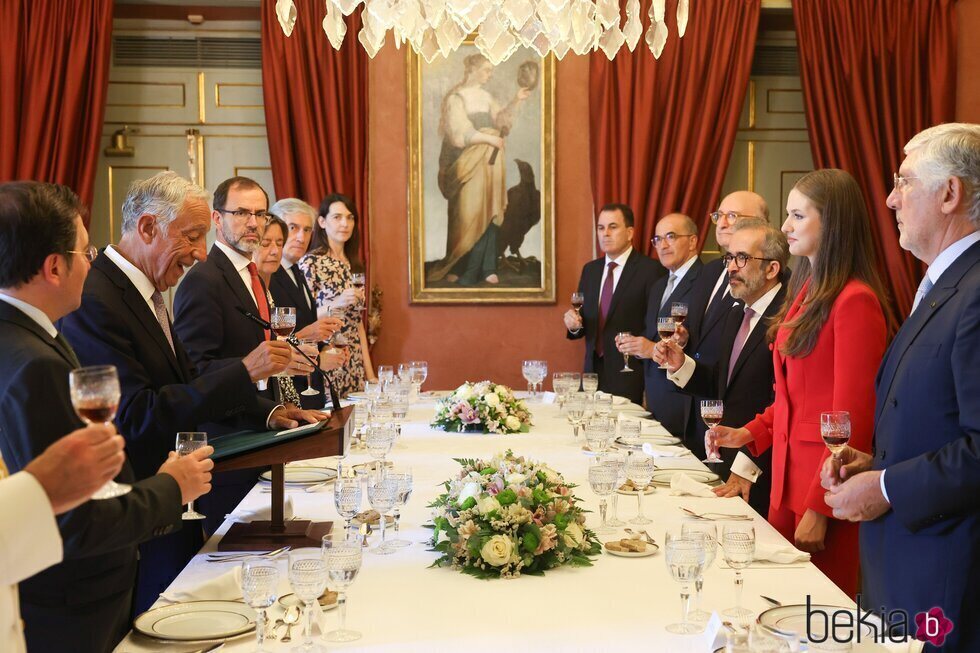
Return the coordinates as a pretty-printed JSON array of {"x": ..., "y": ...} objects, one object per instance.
[
  {"x": 781, "y": 553},
  {"x": 261, "y": 513},
  {"x": 660, "y": 451},
  {"x": 681, "y": 484},
  {"x": 226, "y": 587}
]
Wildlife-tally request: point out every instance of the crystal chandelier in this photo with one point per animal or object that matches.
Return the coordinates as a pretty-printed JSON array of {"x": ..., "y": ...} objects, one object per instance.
[{"x": 438, "y": 27}]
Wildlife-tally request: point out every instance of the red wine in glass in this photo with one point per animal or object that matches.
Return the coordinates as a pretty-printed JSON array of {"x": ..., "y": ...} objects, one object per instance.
[
  {"x": 283, "y": 331},
  {"x": 96, "y": 411},
  {"x": 578, "y": 301},
  {"x": 678, "y": 311}
]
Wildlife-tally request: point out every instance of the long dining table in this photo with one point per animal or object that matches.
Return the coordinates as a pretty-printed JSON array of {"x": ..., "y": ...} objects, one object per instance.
[{"x": 399, "y": 603}]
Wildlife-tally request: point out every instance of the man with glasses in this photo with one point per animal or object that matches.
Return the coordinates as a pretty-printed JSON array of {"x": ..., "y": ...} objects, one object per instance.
[
  {"x": 676, "y": 242},
  {"x": 742, "y": 376}
]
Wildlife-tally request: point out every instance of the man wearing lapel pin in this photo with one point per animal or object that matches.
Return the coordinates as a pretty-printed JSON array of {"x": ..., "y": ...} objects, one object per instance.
[
  {"x": 123, "y": 321},
  {"x": 615, "y": 288},
  {"x": 676, "y": 242},
  {"x": 918, "y": 494},
  {"x": 742, "y": 375},
  {"x": 86, "y": 599}
]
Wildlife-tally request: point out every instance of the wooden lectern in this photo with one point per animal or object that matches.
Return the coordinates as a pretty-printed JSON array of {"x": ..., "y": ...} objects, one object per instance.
[{"x": 252, "y": 450}]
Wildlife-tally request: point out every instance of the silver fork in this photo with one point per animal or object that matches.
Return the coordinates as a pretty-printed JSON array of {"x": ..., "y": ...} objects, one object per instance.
[
  {"x": 223, "y": 557},
  {"x": 716, "y": 516}
]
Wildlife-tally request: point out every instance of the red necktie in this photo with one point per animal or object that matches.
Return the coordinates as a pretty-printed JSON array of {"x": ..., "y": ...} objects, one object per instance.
[
  {"x": 259, "y": 293},
  {"x": 605, "y": 301}
]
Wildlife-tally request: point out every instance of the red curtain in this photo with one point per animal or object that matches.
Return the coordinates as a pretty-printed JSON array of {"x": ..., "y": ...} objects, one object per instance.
[
  {"x": 316, "y": 109},
  {"x": 662, "y": 131},
  {"x": 875, "y": 72},
  {"x": 54, "y": 72}
]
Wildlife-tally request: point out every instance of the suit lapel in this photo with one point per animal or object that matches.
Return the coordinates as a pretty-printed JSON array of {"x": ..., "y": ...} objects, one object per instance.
[
  {"x": 16, "y": 316},
  {"x": 758, "y": 335},
  {"x": 233, "y": 279},
  {"x": 629, "y": 270},
  {"x": 681, "y": 288}
]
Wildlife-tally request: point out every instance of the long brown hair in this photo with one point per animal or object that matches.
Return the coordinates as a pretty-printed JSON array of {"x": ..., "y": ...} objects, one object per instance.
[
  {"x": 845, "y": 252},
  {"x": 321, "y": 243}
]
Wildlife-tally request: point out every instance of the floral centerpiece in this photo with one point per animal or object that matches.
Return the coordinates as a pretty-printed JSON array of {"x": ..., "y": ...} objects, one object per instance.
[
  {"x": 483, "y": 406},
  {"x": 509, "y": 516}
]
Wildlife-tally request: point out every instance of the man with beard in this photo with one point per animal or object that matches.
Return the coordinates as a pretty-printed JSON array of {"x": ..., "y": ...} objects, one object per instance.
[{"x": 742, "y": 376}]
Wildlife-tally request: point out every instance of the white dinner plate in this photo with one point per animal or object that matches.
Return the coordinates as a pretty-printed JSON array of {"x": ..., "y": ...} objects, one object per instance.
[
  {"x": 621, "y": 443},
  {"x": 289, "y": 600},
  {"x": 297, "y": 475},
  {"x": 663, "y": 440},
  {"x": 196, "y": 620},
  {"x": 663, "y": 476},
  {"x": 793, "y": 619},
  {"x": 651, "y": 550}
]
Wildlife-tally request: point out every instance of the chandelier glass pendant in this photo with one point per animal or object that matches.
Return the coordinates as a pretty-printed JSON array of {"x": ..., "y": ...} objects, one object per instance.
[{"x": 437, "y": 27}]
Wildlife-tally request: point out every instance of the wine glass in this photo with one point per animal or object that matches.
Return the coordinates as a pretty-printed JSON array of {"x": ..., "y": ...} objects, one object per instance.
[
  {"x": 343, "y": 558},
  {"x": 598, "y": 432},
  {"x": 187, "y": 442},
  {"x": 310, "y": 390},
  {"x": 347, "y": 497},
  {"x": 678, "y": 312},
  {"x": 527, "y": 371},
  {"x": 738, "y": 547},
  {"x": 404, "y": 371},
  {"x": 578, "y": 301},
  {"x": 419, "y": 373},
  {"x": 260, "y": 588},
  {"x": 602, "y": 404},
  {"x": 399, "y": 393},
  {"x": 665, "y": 329},
  {"x": 283, "y": 320},
  {"x": 382, "y": 495},
  {"x": 616, "y": 460},
  {"x": 386, "y": 374},
  {"x": 576, "y": 410},
  {"x": 558, "y": 387},
  {"x": 379, "y": 439},
  {"x": 95, "y": 396},
  {"x": 404, "y": 480},
  {"x": 308, "y": 578},
  {"x": 626, "y": 357},
  {"x": 358, "y": 280},
  {"x": 602, "y": 478},
  {"x": 712, "y": 410},
  {"x": 639, "y": 469},
  {"x": 708, "y": 533},
  {"x": 685, "y": 558},
  {"x": 539, "y": 371},
  {"x": 590, "y": 383},
  {"x": 835, "y": 429}
]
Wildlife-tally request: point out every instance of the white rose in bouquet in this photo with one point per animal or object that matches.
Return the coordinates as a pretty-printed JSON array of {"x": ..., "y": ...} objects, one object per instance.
[
  {"x": 512, "y": 422},
  {"x": 464, "y": 391},
  {"x": 471, "y": 489},
  {"x": 550, "y": 474},
  {"x": 487, "y": 505},
  {"x": 574, "y": 535},
  {"x": 500, "y": 390},
  {"x": 497, "y": 550},
  {"x": 491, "y": 399},
  {"x": 515, "y": 479}
]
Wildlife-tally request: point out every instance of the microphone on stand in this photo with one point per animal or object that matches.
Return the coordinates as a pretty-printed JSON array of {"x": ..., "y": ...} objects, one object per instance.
[{"x": 294, "y": 343}]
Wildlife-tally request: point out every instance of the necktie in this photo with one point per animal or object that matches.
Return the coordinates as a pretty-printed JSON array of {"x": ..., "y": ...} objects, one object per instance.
[
  {"x": 302, "y": 288},
  {"x": 259, "y": 291},
  {"x": 670, "y": 288},
  {"x": 740, "y": 338},
  {"x": 924, "y": 287},
  {"x": 605, "y": 301},
  {"x": 61, "y": 340},
  {"x": 162, "y": 318}
]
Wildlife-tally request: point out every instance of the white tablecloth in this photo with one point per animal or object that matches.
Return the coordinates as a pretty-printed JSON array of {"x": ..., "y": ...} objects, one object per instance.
[{"x": 398, "y": 603}]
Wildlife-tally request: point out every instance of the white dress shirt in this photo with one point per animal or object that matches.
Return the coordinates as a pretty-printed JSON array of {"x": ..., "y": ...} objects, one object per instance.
[
  {"x": 241, "y": 265},
  {"x": 32, "y": 312},
  {"x": 678, "y": 276},
  {"x": 139, "y": 279}
]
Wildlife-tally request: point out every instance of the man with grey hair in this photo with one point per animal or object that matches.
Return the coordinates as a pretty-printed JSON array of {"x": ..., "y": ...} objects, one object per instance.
[
  {"x": 918, "y": 494},
  {"x": 123, "y": 321}
]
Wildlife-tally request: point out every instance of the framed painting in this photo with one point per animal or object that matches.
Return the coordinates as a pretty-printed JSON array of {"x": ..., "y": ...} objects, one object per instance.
[{"x": 481, "y": 142}]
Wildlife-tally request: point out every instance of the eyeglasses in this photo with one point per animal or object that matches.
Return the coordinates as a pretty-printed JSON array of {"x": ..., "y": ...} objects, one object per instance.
[
  {"x": 261, "y": 217},
  {"x": 901, "y": 181},
  {"x": 90, "y": 253},
  {"x": 742, "y": 259},
  {"x": 731, "y": 215},
  {"x": 670, "y": 237}
]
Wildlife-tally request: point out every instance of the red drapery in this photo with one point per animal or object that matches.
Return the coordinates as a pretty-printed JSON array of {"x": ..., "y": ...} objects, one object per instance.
[
  {"x": 54, "y": 72},
  {"x": 316, "y": 109},
  {"x": 875, "y": 72},
  {"x": 662, "y": 131}
]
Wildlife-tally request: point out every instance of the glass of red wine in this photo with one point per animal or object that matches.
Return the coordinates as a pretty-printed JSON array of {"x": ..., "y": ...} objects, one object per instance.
[
  {"x": 358, "y": 280},
  {"x": 712, "y": 410},
  {"x": 95, "y": 397},
  {"x": 665, "y": 329},
  {"x": 283, "y": 322},
  {"x": 189, "y": 442},
  {"x": 835, "y": 429},
  {"x": 678, "y": 311},
  {"x": 578, "y": 301}
]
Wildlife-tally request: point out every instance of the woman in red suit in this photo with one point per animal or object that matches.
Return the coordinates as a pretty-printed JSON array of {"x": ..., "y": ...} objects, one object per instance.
[{"x": 829, "y": 338}]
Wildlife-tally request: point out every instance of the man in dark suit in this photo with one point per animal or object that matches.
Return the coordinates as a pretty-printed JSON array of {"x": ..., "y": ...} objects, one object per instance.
[
  {"x": 676, "y": 241},
  {"x": 123, "y": 321},
  {"x": 742, "y": 376},
  {"x": 615, "y": 288},
  {"x": 86, "y": 599},
  {"x": 919, "y": 493}
]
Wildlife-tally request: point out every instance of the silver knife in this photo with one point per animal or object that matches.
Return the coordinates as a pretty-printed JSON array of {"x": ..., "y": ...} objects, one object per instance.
[
  {"x": 773, "y": 601},
  {"x": 210, "y": 649}
]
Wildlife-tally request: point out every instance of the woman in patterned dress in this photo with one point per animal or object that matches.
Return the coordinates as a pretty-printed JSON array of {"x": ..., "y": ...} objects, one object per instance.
[{"x": 328, "y": 267}]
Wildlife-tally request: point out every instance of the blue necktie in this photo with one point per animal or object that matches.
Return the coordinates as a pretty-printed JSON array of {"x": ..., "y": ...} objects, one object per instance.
[{"x": 924, "y": 287}]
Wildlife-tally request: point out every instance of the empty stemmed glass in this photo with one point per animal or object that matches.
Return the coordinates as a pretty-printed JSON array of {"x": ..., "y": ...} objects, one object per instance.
[
  {"x": 622, "y": 335},
  {"x": 419, "y": 373},
  {"x": 400, "y": 394},
  {"x": 527, "y": 371},
  {"x": 712, "y": 411},
  {"x": 835, "y": 429},
  {"x": 590, "y": 383},
  {"x": 602, "y": 404},
  {"x": 708, "y": 533},
  {"x": 95, "y": 397},
  {"x": 307, "y": 343},
  {"x": 347, "y": 497},
  {"x": 386, "y": 374},
  {"x": 404, "y": 480},
  {"x": 639, "y": 469},
  {"x": 598, "y": 432},
  {"x": 343, "y": 558},
  {"x": 685, "y": 558},
  {"x": 308, "y": 578},
  {"x": 576, "y": 405},
  {"x": 382, "y": 495},
  {"x": 378, "y": 440},
  {"x": 738, "y": 546},
  {"x": 540, "y": 370},
  {"x": 665, "y": 329},
  {"x": 616, "y": 460},
  {"x": 188, "y": 442},
  {"x": 602, "y": 478},
  {"x": 260, "y": 589}
]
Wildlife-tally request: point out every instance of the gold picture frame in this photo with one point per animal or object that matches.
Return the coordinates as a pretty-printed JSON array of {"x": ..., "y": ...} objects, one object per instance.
[{"x": 464, "y": 205}]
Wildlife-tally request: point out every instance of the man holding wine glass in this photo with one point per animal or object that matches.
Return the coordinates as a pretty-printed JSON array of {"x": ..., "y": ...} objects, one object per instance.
[
  {"x": 89, "y": 594},
  {"x": 612, "y": 299}
]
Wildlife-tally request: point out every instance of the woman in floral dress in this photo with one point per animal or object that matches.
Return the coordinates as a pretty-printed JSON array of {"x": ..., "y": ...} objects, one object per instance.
[{"x": 328, "y": 267}]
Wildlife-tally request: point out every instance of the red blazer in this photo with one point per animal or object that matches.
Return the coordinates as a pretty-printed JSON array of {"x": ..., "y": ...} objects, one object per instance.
[{"x": 839, "y": 374}]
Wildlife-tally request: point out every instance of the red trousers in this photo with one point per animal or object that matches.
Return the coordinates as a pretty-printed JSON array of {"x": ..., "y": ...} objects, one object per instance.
[{"x": 839, "y": 560}]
